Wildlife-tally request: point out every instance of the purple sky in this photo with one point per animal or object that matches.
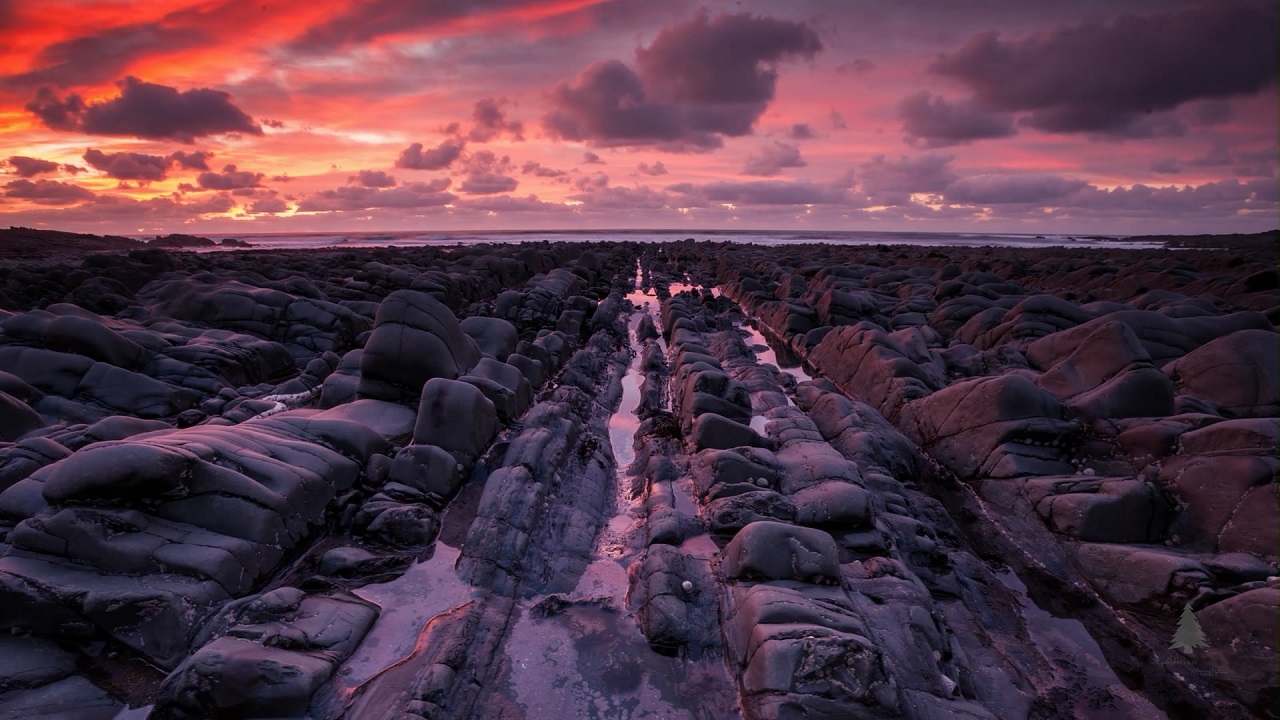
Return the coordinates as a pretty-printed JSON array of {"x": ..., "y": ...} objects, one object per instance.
[{"x": 230, "y": 116}]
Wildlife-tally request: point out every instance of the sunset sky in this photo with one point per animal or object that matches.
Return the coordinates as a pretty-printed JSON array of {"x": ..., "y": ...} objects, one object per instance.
[{"x": 231, "y": 116}]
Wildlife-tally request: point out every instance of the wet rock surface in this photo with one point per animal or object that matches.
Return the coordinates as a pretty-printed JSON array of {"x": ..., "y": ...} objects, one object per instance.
[{"x": 696, "y": 480}]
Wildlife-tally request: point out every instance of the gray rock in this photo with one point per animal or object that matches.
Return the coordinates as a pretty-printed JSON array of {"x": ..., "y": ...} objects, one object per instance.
[
  {"x": 16, "y": 418},
  {"x": 284, "y": 646},
  {"x": 776, "y": 551},
  {"x": 832, "y": 504},
  {"x": 415, "y": 339},
  {"x": 73, "y": 698},
  {"x": 727, "y": 515},
  {"x": 714, "y": 431},
  {"x": 428, "y": 468},
  {"x": 1239, "y": 373},
  {"x": 455, "y": 416},
  {"x": 495, "y": 337}
]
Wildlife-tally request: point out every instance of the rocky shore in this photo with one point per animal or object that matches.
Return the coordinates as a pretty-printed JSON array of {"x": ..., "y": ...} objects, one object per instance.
[{"x": 682, "y": 480}]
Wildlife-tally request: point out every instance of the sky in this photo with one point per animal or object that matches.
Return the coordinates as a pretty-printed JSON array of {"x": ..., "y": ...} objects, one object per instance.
[{"x": 276, "y": 116}]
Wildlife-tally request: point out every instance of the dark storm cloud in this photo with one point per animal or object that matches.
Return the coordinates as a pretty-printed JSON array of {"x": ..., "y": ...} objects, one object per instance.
[
  {"x": 652, "y": 170},
  {"x": 146, "y": 110},
  {"x": 490, "y": 120},
  {"x": 537, "y": 169},
  {"x": 128, "y": 165},
  {"x": 801, "y": 131},
  {"x": 268, "y": 206},
  {"x": 764, "y": 192},
  {"x": 720, "y": 61},
  {"x": 771, "y": 159},
  {"x": 373, "y": 179},
  {"x": 696, "y": 83},
  {"x": 229, "y": 179},
  {"x": 96, "y": 59},
  {"x": 486, "y": 174},
  {"x": 29, "y": 167},
  {"x": 47, "y": 192},
  {"x": 1105, "y": 78},
  {"x": 932, "y": 121},
  {"x": 196, "y": 160},
  {"x": 1211, "y": 113},
  {"x": 891, "y": 182},
  {"x": 56, "y": 113},
  {"x": 357, "y": 197},
  {"x": 605, "y": 197},
  {"x": 508, "y": 203},
  {"x": 437, "y": 158},
  {"x": 1012, "y": 189},
  {"x": 1261, "y": 162},
  {"x": 1225, "y": 197},
  {"x": 120, "y": 207}
]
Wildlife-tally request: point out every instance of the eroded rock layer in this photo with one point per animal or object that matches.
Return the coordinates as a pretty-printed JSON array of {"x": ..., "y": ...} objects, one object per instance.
[{"x": 693, "y": 480}]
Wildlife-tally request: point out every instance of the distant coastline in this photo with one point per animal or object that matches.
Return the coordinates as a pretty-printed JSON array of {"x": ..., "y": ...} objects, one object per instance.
[{"x": 30, "y": 243}]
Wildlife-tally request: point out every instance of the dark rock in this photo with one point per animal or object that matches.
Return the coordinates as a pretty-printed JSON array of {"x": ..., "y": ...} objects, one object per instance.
[
  {"x": 729, "y": 514},
  {"x": 16, "y": 418},
  {"x": 832, "y": 504},
  {"x": 991, "y": 426},
  {"x": 714, "y": 431},
  {"x": 428, "y": 468},
  {"x": 1239, "y": 373},
  {"x": 415, "y": 339},
  {"x": 494, "y": 337},
  {"x": 72, "y": 698},
  {"x": 457, "y": 417},
  {"x": 283, "y": 647},
  {"x": 1100, "y": 509},
  {"x": 1248, "y": 624},
  {"x": 776, "y": 551}
]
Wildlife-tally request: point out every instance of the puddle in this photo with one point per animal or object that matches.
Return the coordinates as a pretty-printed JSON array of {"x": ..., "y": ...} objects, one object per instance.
[
  {"x": 767, "y": 354},
  {"x": 138, "y": 713},
  {"x": 592, "y": 662},
  {"x": 1076, "y": 655},
  {"x": 408, "y": 603},
  {"x": 625, "y": 422}
]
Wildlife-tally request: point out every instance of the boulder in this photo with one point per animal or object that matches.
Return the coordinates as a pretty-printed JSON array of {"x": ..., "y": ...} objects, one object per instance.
[
  {"x": 731, "y": 513},
  {"x": 1109, "y": 375},
  {"x": 415, "y": 338},
  {"x": 714, "y": 431},
  {"x": 767, "y": 550},
  {"x": 16, "y": 418},
  {"x": 834, "y": 504},
  {"x": 282, "y": 648},
  {"x": 1116, "y": 510},
  {"x": 457, "y": 417},
  {"x": 1247, "y": 624},
  {"x": 997, "y": 427},
  {"x": 428, "y": 468},
  {"x": 1239, "y": 373},
  {"x": 495, "y": 337}
]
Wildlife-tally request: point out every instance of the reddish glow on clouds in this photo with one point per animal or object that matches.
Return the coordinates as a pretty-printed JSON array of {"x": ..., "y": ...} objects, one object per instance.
[{"x": 1116, "y": 116}]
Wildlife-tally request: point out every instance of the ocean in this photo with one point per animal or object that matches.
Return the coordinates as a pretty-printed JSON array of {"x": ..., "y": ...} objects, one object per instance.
[{"x": 276, "y": 241}]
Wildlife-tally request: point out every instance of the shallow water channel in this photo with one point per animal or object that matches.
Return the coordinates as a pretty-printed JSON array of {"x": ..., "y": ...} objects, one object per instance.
[{"x": 590, "y": 660}]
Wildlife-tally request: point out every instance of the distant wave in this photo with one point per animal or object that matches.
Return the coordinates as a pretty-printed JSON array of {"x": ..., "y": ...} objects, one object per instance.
[{"x": 762, "y": 237}]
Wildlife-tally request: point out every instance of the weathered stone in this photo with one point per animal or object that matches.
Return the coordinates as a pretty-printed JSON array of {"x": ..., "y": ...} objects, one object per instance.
[{"x": 767, "y": 550}]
